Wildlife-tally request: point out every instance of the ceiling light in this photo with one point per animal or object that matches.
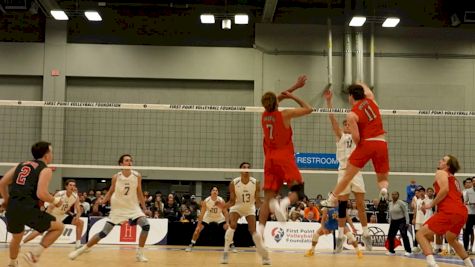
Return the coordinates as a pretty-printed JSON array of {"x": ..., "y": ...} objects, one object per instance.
[
  {"x": 357, "y": 21},
  {"x": 93, "y": 16},
  {"x": 207, "y": 18},
  {"x": 391, "y": 22},
  {"x": 59, "y": 15},
  {"x": 226, "y": 24},
  {"x": 241, "y": 19}
]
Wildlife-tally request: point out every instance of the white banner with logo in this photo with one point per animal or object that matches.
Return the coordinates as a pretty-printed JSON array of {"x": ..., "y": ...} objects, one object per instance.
[
  {"x": 68, "y": 236},
  {"x": 298, "y": 235},
  {"x": 3, "y": 230},
  {"x": 126, "y": 234}
]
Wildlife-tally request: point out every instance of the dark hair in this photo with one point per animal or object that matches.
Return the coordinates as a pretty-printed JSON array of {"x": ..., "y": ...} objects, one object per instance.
[
  {"x": 453, "y": 164},
  {"x": 213, "y": 188},
  {"x": 69, "y": 181},
  {"x": 356, "y": 91},
  {"x": 121, "y": 159},
  {"x": 240, "y": 165},
  {"x": 38, "y": 150},
  {"x": 269, "y": 101},
  {"x": 467, "y": 180}
]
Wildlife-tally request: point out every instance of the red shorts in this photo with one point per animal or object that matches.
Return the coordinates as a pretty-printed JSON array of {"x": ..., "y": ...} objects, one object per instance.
[
  {"x": 377, "y": 151},
  {"x": 441, "y": 222},
  {"x": 279, "y": 169}
]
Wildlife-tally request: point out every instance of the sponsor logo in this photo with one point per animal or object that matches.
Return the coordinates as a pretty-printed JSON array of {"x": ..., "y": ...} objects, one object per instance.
[
  {"x": 277, "y": 233},
  {"x": 128, "y": 233}
]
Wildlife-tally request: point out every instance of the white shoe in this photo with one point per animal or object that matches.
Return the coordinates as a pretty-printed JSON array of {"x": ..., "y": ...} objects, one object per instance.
[
  {"x": 30, "y": 259},
  {"x": 279, "y": 213},
  {"x": 433, "y": 265},
  {"x": 13, "y": 264},
  {"x": 73, "y": 255},
  {"x": 266, "y": 261},
  {"x": 189, "y": 248},
  {"x": 339, "y": 244},
  {"x": 233, "y": 248},
  {"x": 383, "y": 194},
  {"x": 407, "y": 254},
  {"x": 416, "y": 250},
  {"x": 330, "y": 202},
  {"x": 140, "y": 257},
  {"x": 224, "y": 259},
  {"x": 390, "y": 253},
  {"x": 368, "y": 242}
]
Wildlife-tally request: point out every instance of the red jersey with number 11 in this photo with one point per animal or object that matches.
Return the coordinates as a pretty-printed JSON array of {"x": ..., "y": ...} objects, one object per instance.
[
  {"x": 370, "y": 123},
  {"x": 276, "y": 136}
]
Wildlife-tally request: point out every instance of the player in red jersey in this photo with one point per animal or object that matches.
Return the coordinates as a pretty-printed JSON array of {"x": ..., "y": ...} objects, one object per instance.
[
  {"x": 280, "y": 165},
  {"x": 451, "y": 213},
  {"x": 366, "y": 127}
]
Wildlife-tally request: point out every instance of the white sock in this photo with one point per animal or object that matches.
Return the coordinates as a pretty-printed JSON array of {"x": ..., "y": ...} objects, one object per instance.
[
  {"x": 193, "y": 242},
  {"x": 38, "y": 250},
  {"x": 350, "y": 237},
  {"x": 284, "y": 203},
  {"x": 78, "y": 242},
  {"x": 260, "y": 229},
  {"x": 341, "y": 231},
  {"x": 228, "y": 238},
  {"x": 139, "y": 249},
  {"x": 365, "y": 230},
  {"x": 14, "y": 262},
  {"x": 430, "y": 259},
  {"x": 315, "y": 238},
  {"x": 468, "y": 262}
]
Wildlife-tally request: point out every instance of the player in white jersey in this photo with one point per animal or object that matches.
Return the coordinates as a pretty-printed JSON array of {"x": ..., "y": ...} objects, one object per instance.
[
  {"x": 126, "y": 198},
  {"x": 345, "y": 146},
  {"x": 211, "y": 212},
  {"x": 244, "y": 197},
  {"x": 69, "y": 198}
]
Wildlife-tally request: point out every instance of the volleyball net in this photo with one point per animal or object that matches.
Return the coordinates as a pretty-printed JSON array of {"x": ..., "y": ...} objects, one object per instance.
[{"x": 213, "y": 138}]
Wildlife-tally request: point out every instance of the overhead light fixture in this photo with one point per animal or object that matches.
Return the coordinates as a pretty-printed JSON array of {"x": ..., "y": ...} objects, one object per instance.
[
  {"x": 226, "y": 24},
  {"x": 93, "y": 15},
  {"x": 241, "y": 19},
  {"x": 59, "y": 15},
  {"x": 391, "y": 22},
  {"x": 207, "y": 18},
  {"x": 357, "y": 21}
]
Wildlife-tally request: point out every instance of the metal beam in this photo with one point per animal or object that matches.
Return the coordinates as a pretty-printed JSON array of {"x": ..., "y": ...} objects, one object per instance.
[{"x": 269, "y": 11}]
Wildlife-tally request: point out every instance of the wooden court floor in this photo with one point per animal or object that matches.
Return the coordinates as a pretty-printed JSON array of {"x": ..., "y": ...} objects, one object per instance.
[{"x": 174, "y": 256}]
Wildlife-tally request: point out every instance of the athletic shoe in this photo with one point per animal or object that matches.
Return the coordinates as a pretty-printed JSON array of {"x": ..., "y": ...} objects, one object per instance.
[
  {"x": 73, "y": 255},
  {"x": 330, "y": 202},
  {"x": 189, "y": 248},
  {"x": 13, "y": 264},
  {"x": 266, "y": 261},
  {"x": 368, "y": 243},
  {"x": 339, "y": 244},
  {"x": 140, "y": 257},
  {"x": 233, "y": 248},
  {"x": 433, "y": 265},
  {"x": 383, "y": 194},
  {"x": 279, "y": 213},
  {"x": 224, "y": 259},
  {"x": 416, "y": 250},
  {"x": 310, "y": 253},
  {"x": 30, "y": 259},
  {"x": 389, "y": 253},
  {"x": 359, "y": 254},
  {"x": 407, "y": 254}
]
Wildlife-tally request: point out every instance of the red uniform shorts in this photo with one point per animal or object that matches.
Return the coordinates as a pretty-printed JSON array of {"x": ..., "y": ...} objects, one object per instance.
[
  {"x": 374, "y": 150},
  {"x": 280, "y": 168},
  {"x": 441, "y": 222}
]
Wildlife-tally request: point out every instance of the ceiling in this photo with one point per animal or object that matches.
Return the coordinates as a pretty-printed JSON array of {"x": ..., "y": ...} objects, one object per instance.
[{"x": 176, "y": 22}]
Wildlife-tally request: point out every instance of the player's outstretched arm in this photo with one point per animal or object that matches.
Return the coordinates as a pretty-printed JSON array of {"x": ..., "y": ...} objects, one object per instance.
[
  {"x": 301, "y": 80},
  {"x": 304, "y": 108},
  {"x": 328, "y": 95}
]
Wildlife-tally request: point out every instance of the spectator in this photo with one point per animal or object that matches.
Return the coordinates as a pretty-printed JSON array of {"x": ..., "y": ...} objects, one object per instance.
[
  {"x": 310, "y": 217},
  {"x": 311, "y": 208},
  {"x": 157, "y": 207},
  {"x": 295, "y": 217},
  {"x": 353, "y": 212},
  {"x": 171, "y": 209},
  {"x": 318, "y": 199},
  {"x": 411, "y": 191},
  {"x": 382, "y": 210},
  {"x": 373, "y": 219},
  {"x": 86, "y": 206}
]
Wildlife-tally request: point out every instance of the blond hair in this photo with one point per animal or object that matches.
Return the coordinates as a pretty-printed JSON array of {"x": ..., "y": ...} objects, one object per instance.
[{"x": 269, "y": 101}]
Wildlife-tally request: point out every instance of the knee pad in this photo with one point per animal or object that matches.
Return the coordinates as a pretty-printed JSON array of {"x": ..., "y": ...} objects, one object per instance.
[
  {"x": 342, "y": 205},
  {"x": 298, "y": 189},
  {"x": 106, "y": 230},
  {"x": 143, "y": 223}
]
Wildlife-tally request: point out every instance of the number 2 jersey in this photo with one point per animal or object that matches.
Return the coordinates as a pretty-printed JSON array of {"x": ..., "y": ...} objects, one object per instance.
[
  {"x": 124, "y": 201},
  {"x": 370, "y": 123},
  {"x": 25, "y": 182}
]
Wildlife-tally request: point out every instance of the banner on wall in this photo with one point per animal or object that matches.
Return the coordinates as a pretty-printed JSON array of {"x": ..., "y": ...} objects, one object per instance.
[
  {"x": 298, "y": 235},
  {"x": 127, "y": 234},
  {"x": 68, "y": 236},
  {"x": 317, "y": 161}
]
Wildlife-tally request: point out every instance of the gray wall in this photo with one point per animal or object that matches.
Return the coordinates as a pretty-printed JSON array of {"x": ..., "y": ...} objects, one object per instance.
[{"x": 415, "y": 69}]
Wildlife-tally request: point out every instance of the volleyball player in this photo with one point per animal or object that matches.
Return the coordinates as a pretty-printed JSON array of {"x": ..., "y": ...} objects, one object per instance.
[
  {"x": 366, "y": 127},
  {"x": 344, "y": 148},
  {"x": 126, "y": 198},
  {"x": 21, "y": 188},
  {"x": 451, "y": 212},
  {"x": 211, "y": 212},
  {"x": 244, "y": 197},
  {"x": 70, "y": 199}
]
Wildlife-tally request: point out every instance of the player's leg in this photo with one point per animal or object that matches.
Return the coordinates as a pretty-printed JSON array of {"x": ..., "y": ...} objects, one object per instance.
[
  {"x": 403, "y": 227},
  {"x": 31, "y": 236},
  {"x": 79, "y": 227},
  {"x": 360, "y": 206},
  {"x": 352, "y": 239},
  {"x": 229, "y": 235},
  {"x": 14, "y": 248},
  {"x": 381, "y": 166},
  {"x": 350, "y": 172},
  {"x": 196, "y": 234},
  {"x": 459, "y": 249},
  {"x": 251, "y": 225},
  {"x": 423, "y": 236},
  {"x": 315, "y": 237},
  {"x": 145, "y": 226},
  {"x": 108, "y": 226},
  {"x": 342, "y": 207}
]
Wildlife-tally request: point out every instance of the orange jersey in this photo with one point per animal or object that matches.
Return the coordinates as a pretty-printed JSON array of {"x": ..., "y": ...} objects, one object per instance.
[
  {"x": 370, "y": 123},
  {"x": 452, "y": 203},
  {"x": 276, "y": 136}
]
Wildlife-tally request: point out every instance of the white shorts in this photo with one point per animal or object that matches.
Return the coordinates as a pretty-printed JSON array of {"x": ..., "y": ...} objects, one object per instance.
[
  {"x": 243, "y": 210},
  {"x": 356, "y": 185},
  {"x": 209, "y": 220},
  {"x": 124, "y": 215}
]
